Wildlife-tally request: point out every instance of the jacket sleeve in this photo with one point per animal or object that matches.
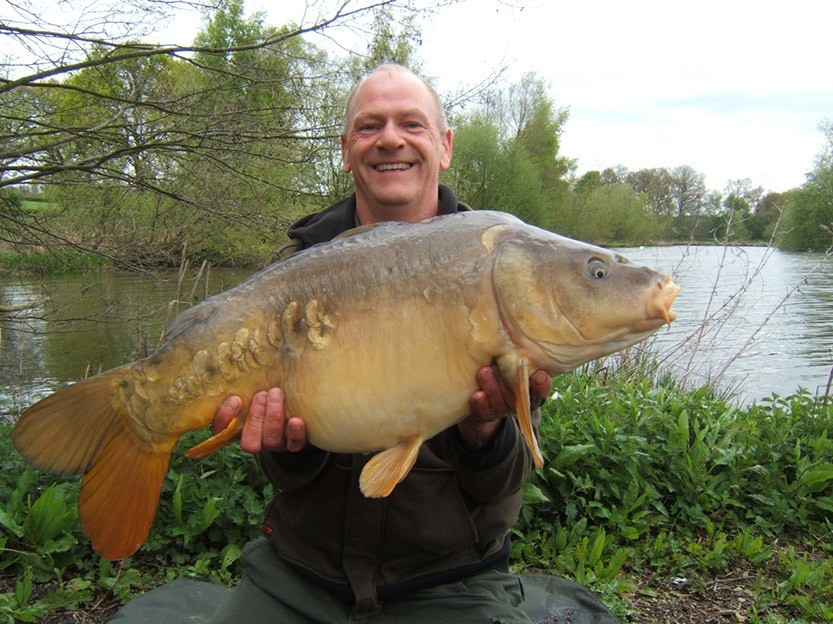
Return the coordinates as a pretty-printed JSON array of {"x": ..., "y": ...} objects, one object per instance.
[
  {"x": 501, "y": 469},
  {"x": 288, "y": 471}
]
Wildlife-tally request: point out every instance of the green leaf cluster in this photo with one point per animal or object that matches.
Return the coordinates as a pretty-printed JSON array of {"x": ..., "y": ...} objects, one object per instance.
[
  {"x": 208, "y": 511},
  {"x": 808, "y": 214},
  {"x": 648, "y": 478}
]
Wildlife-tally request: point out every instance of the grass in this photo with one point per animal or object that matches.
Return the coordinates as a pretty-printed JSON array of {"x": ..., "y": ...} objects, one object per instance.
[
  {"x": 642, "y": 481},
  {"x": 48, "y": 262}
]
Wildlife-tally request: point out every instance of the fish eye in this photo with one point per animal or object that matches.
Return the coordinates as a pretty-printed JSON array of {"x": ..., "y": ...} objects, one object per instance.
[{"x": 597, "y": 269}]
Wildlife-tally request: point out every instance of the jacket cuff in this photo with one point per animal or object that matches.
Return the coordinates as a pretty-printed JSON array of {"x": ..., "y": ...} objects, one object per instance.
[{"x": 490, "y": 456}]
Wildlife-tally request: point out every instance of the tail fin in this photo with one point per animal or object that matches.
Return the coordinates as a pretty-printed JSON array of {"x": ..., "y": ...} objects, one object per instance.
[{"x": 85, "y": 428}]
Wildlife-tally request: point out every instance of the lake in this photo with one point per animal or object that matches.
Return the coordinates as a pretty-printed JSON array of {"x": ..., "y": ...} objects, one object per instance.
[{"x": 756, "y": 321}]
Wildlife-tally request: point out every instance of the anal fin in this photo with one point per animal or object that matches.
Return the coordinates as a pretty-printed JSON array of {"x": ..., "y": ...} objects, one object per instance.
[{"x": 387, "y": 468}]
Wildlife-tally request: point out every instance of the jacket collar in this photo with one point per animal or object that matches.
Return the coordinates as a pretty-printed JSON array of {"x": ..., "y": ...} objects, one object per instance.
[{"x": 327, "y": 224}]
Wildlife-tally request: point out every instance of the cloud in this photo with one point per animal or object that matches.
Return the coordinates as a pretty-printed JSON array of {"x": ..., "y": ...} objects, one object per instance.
[{"x": 816, "y": 103}]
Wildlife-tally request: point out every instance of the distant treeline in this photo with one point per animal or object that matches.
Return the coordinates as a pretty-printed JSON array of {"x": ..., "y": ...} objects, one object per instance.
[{"x": 141, "y": 154}]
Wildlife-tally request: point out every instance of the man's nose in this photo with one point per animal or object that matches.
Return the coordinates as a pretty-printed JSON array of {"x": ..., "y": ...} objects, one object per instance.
[{"x": 390, "y": 137}]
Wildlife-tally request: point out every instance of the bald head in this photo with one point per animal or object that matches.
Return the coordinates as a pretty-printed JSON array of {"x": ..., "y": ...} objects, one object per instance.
[{"x": 419, "y": 82}]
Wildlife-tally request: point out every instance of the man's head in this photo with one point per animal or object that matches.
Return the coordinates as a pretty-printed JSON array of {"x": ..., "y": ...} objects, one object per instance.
[{"x": 395, "y": 141}]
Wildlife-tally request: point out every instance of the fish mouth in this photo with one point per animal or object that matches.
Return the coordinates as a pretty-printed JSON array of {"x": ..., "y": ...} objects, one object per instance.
[{"x": 661, "y": 304}]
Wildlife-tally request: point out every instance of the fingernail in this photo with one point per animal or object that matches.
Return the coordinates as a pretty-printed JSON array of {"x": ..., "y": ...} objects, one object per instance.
[{"x": 233, "y": 403}]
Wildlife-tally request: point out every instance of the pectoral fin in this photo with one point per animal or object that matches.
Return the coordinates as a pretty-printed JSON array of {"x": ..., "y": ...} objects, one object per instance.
[
  {"x": 221, "y": 440},
  {"x": 387, "y": 468},
  {"x": 515, "y": 369}
]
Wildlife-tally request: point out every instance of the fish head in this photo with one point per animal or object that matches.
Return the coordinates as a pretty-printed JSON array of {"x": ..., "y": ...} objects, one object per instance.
[{"x": 565, "y": 303}]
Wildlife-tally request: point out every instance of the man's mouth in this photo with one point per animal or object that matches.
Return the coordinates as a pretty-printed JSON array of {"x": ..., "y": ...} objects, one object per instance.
[{"x": 393, "y": 166}]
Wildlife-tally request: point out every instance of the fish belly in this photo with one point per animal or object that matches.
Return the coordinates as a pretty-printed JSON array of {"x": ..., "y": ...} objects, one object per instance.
[{"x": 406, "y": 372}]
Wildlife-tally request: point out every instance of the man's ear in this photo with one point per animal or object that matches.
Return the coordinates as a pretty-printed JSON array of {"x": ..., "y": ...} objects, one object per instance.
[
  {"x": 345, "y": 158},
  {"x": 445, "y": 161}
]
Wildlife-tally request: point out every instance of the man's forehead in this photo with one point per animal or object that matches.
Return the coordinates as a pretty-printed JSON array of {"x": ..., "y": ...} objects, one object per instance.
[
  {"x": 393, "y": 90},
  {"x": 387, "y": 110}
]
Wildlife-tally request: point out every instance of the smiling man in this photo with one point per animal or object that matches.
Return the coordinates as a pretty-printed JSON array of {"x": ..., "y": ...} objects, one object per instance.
[
  {"x": 437, "y": 548},
  {"x": 395, "y": 141}
]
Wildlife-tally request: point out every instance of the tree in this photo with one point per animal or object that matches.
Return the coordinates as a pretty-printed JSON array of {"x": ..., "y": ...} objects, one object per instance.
[
  {"x": 506, "y": 153},
  {"x": 656, "y": 185},
  {"x": 761, "y": 225},
  {"x": 740, "y": 200},
  {"x": 688, "y": 193},
  {"x": 590, "y": 181},
  {"x": 808, "y": 214},
  {"x": 185, "y": 140}
]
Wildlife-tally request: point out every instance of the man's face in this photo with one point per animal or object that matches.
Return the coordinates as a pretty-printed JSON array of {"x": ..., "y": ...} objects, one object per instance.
[{"x": 394, "y": 146}]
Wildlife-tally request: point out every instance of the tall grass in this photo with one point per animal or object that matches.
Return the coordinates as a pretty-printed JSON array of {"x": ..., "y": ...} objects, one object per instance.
[{"x": 48, "y": 262}]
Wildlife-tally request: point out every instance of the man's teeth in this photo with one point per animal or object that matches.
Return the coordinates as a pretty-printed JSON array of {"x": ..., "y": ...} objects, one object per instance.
[{"x": 393, "y": 166}]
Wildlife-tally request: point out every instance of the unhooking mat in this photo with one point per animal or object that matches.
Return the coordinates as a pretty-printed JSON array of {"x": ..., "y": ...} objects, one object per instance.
[{"x": 549, "y": 600}]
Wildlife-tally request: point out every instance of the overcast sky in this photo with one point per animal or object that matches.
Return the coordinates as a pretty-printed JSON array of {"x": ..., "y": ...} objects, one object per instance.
[{"x": 733, "y": 88}]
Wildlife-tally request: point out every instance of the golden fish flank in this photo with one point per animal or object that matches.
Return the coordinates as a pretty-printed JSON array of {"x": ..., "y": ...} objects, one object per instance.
[
  {"x": 299, "y": 325},
  {"x": 471, "y": 288},
  {"x": 247, "y": 350}
]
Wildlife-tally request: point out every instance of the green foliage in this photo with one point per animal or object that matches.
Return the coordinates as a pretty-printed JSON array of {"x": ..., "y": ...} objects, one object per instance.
[
  {"x": 805, "y": 212},
  {"x": 506, "y": 154},
  {"x": 495, "y": 175},
  {"x": 208, "y": 510},
  {"x": 808, "y": 216},
  {"x": 646, "y": 477},
  {"x": 389, "y": 45},
  {"x": 612, "y": 213},
  {"x": 47, "y": 262}
]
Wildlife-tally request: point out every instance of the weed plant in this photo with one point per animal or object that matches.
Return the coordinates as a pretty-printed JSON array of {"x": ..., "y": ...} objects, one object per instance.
[{"x": 641, "y": 480}]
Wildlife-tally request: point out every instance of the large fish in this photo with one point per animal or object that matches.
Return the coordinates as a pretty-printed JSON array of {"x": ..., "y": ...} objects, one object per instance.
[{"x": 375, "y": 337}]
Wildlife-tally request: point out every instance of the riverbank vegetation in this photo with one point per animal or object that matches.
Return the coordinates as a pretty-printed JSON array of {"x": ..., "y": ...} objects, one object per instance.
[
  {"x": 671, "y": 505},
  {"x": 132, "y": 152}
]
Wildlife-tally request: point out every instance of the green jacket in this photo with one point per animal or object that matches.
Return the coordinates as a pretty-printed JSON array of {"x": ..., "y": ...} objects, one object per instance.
[{"x": 448, "y": 519}]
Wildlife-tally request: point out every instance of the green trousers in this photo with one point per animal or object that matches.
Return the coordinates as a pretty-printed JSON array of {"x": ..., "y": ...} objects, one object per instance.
[{"x": 272, "y": 592}]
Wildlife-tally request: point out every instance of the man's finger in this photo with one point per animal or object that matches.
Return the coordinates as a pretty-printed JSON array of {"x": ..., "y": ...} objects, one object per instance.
[
  {"x": 296, "y": 435},
  {"x": 251, "y": 438},
  {"x": 274, "y": 421},
  {"x": 228, "y": 410},
  {"x": 479, "y": 405},
  {"x": 540, "y": 385},
  {"x": 500, "y": 396}
]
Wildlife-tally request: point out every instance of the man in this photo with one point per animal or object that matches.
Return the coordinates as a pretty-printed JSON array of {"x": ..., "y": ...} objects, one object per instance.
[{"x": 437, "y": 548}]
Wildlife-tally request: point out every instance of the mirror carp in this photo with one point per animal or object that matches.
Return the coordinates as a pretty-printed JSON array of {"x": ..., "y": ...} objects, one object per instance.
[{"x": 375, "y": 337}]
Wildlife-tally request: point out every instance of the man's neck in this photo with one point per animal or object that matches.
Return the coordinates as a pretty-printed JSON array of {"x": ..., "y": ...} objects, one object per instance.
[{"x": 368, "y": 214}]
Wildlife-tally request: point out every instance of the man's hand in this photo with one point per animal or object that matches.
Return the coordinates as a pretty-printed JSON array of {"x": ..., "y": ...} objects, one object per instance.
[
  {"x": 494, "y": 402},
  {"x": 266, "y": 427}
]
